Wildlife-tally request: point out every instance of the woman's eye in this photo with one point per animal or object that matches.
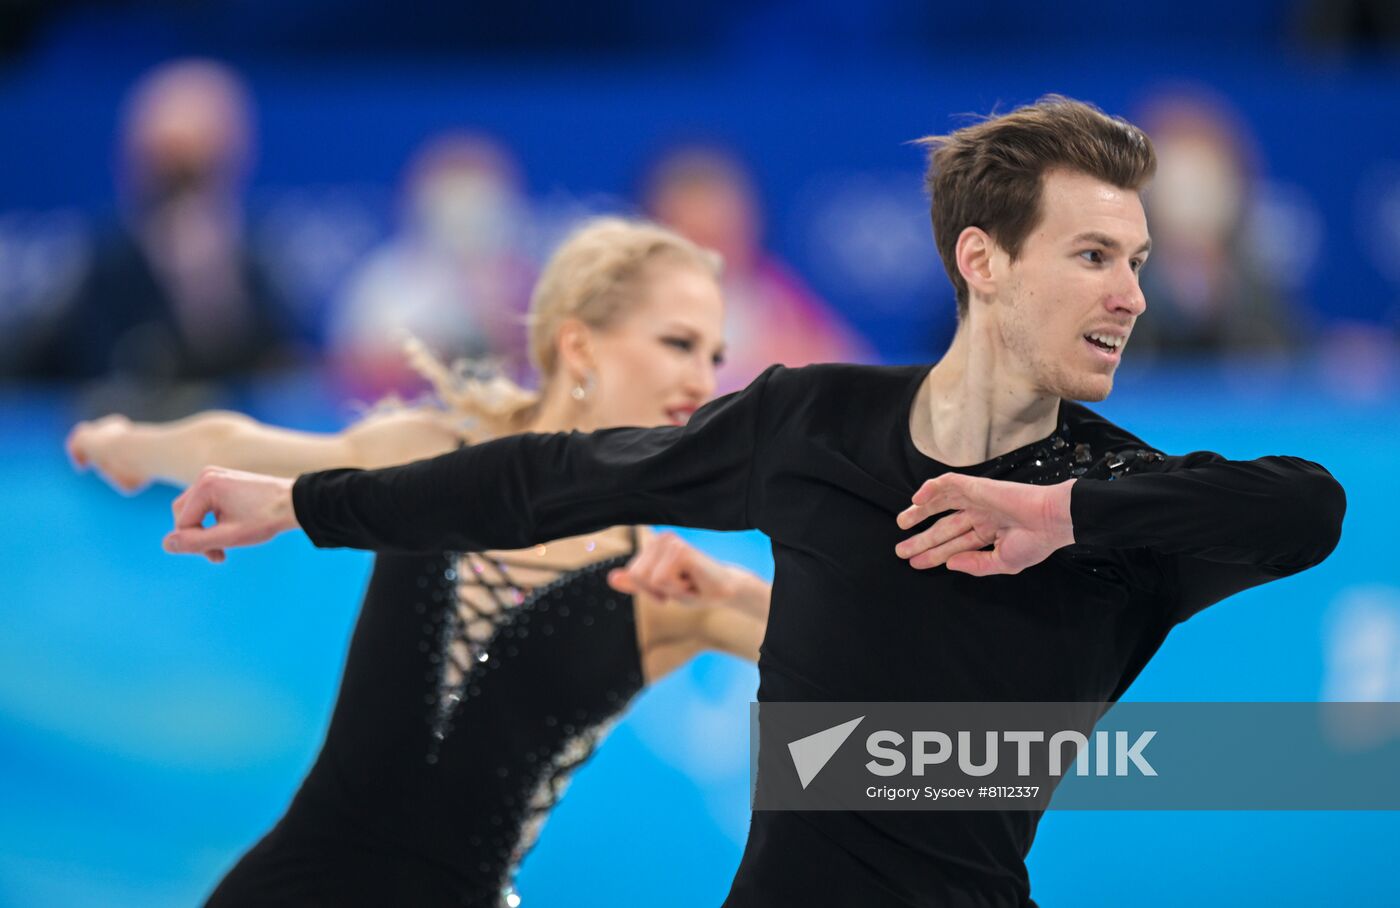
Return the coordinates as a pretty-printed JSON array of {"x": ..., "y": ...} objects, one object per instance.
[
  {"x": 685, "y": 345},
  {"x": 718, "y": 360}
]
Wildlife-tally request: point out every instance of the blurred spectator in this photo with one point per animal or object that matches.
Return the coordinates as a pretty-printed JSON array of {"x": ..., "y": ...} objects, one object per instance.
[
  {"x": 1364, "y": 25},
  {"x": 1206, "y": 292},
  {"x": 171, "y": 292},
  {"x": 454, "y": 276},
  {"x": 771, "y": 315}
]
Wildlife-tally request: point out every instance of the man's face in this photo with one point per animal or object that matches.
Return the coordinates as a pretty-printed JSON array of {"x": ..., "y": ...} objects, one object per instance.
[{"x": 1074, "y": 287}]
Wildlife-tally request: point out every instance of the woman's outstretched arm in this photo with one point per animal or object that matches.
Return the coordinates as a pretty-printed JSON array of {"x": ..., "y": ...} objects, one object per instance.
[{"x": 130, "y": 455}]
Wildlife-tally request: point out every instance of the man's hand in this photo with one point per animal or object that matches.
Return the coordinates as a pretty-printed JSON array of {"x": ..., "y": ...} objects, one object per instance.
[
  {"x": 103, "y": 444},
  {"x": 669, "y": 568},
  {"x": 1024, "y": 523},
  {"x": 248, "y": 508}
]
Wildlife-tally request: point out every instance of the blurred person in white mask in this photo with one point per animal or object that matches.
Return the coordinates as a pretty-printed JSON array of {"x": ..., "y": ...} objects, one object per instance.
[
  {"x": 454, "y": 273},
  {"x": 774, "y": 317},
  {"x": 1210, "y": 292}
]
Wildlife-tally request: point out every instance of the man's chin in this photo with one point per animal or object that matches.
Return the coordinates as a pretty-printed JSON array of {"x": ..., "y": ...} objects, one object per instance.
[{"x": 1088, "y": 389}]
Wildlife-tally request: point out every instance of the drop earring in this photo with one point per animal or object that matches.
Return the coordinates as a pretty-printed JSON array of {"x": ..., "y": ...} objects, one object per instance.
[{"x": 581, "y": 388}]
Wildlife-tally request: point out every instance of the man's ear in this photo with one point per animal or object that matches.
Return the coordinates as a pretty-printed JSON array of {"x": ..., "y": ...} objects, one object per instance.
[{"x": 975, "y": 252}]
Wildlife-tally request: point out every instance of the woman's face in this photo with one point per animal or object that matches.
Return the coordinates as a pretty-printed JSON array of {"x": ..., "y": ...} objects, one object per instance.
[{"x": 656, "y": 364}]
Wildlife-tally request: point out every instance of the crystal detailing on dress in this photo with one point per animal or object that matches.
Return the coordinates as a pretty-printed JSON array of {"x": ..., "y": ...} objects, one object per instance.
[
  {"x": 554, "y": 781},
  {"x": 481, "y": 591},
  {"x": 464, "y": 631},
  {"x": 583, "y": 730},
  {"x": 463, "y": 664}
]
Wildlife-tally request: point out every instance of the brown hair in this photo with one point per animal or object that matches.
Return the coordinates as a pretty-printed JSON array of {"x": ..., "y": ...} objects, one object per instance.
[
  {"x": 594, "y": 276},
  {"x": 989, "y": 175}
]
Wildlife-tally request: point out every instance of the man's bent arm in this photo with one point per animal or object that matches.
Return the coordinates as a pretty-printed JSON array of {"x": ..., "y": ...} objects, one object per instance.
[{"x": 1220, "y": 526}]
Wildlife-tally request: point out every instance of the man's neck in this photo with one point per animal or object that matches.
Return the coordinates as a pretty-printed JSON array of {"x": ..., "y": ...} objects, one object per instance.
[{"x": 975, "y": 404}]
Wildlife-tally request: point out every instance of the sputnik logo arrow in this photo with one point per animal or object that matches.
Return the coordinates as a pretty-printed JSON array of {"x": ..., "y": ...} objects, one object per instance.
[{"x": 811, "y": 753}]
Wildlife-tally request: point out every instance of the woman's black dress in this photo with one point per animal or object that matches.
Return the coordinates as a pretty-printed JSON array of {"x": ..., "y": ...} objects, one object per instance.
[{"x": 466, "y": 704}]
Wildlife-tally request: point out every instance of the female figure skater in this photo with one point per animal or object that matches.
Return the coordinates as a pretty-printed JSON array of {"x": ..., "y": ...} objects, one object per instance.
[{"x": 476, "y": 683}]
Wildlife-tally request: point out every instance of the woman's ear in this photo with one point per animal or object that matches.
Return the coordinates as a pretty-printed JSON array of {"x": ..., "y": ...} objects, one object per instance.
[{"x": 574, "y": 342}]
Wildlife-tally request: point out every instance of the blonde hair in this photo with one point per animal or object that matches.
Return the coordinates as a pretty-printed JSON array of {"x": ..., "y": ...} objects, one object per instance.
[{"x": 593, "y": 276}]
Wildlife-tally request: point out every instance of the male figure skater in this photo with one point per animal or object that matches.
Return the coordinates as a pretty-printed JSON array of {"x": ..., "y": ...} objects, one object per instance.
[{"x": 1067, "y": 550}]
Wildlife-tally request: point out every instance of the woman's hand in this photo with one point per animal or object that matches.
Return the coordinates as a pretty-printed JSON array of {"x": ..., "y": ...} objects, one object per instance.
[
  {"x": 248, "y": 509},
  {"x": 1023, "y": 523},
  {"x": 105, "y": 445},
  {"x": 669, "y": 568}
]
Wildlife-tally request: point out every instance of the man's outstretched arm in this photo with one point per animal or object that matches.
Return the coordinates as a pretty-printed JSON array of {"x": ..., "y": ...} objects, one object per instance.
[{"x": 503, "y": 494}]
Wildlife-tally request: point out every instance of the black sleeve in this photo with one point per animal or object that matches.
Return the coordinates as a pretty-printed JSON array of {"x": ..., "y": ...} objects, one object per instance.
[
  {"x": 1216, "y": 526},
  {"x": 526, "y": 489}
]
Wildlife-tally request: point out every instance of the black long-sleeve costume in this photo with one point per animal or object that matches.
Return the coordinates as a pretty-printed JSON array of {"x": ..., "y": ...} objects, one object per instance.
[{"x": 821, "y": 460}]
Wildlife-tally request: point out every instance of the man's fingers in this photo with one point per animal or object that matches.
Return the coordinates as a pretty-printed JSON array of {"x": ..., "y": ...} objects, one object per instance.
[
  {"x": 950, "y": 489},
  {"x": 910, "y": 516},
  {"x": 199, "y": 540},
  {"x": 916, "y": 514},
  {"x": 938, "y": 503},
  {"x": 941, "y": 554},
  {"x": 949, "y": 527},
  {"x": 979, "y": 564},
  {"x": 192, "y": 505}
]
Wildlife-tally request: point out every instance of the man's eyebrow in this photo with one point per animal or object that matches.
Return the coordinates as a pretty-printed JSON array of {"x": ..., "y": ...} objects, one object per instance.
[{"x": 1109, "y": 242}]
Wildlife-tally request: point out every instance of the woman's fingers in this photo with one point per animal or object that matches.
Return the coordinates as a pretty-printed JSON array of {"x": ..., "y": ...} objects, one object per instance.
[
  {"x": 664, "y": 568},
  {"x": 620, "y": 580},
  {"x": 127, "y": 484},
  {"x": 75, "y": 445},
  {"x": 670, "y": 575},
  {"x": 667, "y": 573}
]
